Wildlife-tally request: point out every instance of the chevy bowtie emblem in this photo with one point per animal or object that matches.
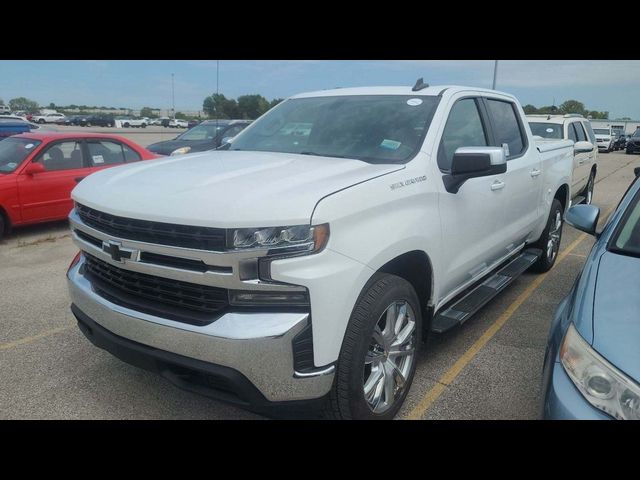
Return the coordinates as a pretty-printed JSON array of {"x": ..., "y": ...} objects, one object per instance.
[{"x": 117, "y": 252}]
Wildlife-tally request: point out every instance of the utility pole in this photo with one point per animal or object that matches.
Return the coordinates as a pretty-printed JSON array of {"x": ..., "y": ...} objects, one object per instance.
[
  {"x": 173, "y": 99},
  {"x": 495, "y": 74},
  {"x": 217, "y": 91}
]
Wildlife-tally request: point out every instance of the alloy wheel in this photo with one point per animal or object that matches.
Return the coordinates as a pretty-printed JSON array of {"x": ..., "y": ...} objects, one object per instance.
[
  {"x": 390, "y": 357},
  {"x": 553, "y": 244}
]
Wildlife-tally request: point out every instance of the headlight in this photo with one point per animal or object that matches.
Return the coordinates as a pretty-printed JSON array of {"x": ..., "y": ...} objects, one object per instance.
[
  {"x": 181, "y": 151},
  {"x": 298, "y": 238},
  {"x": 603, "y": 385}
]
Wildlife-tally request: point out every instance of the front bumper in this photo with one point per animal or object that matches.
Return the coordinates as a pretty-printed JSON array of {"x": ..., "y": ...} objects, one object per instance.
[{"x": 256, "y": 347}]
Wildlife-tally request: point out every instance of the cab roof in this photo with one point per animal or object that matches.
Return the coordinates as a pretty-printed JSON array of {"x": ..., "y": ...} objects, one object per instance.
[{"x": 434, "y": 90}]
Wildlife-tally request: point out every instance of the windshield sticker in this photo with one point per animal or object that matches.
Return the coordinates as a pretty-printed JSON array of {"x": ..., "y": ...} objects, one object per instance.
[
  {"x": 414, "y": 102},
  {"x": 390, "y": 144},
  {"x": 28, "y": 146},
  {"x": 98, "y": 159},
  {"x": 12, "y": 165},
  {"x": 549, "y": 130}
]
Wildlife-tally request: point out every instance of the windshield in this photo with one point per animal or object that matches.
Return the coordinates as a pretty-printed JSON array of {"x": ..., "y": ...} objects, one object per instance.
[
  {"x": 202, "y": 132},
  {"x": 601, "y": 131},
  {"x": 546, "y": 130},
  {"x": 636, "y": 134},
  {"x": 373, "y": 128},
  {"x": 13, "y": 151}
]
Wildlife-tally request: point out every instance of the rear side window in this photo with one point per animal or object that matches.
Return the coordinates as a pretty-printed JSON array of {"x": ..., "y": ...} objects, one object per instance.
[
  {"x": 590, "y": 134},
  {"x": 106, "y": 152},
  {"x": 63, "y": 156},
  {"x": 463, "y": 129},
  {"x": 571, "y": 133},
  {"x": 582, "y": 137},
  {"x": 506, "y": 127}
]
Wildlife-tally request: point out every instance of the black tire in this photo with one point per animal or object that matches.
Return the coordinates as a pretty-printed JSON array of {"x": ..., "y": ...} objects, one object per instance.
[
  {"x": 347, "y": 398},
  {"x": 547, "y": 260},
  {"x": 588, "y": 190},
  {"x": 41, "y": 121},
  {"x": 88, "y": 124},
  {"x": 628, "y": 152}
]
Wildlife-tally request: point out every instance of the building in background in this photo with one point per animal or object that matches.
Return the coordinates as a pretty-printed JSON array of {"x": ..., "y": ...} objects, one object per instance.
[{"x": 628, "y": 127}]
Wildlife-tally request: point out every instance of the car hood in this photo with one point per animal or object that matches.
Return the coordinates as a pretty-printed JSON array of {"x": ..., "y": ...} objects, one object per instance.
[
  {"x": 165, "y": 148},
  {"x": 603, "y": 137},
  {"x": 224, "y": 189},
  {"x": 616, "y": 323}
]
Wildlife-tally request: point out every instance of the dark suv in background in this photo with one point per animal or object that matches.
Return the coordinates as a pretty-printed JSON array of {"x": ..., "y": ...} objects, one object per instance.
[
  {"x": 633, "y": 142},
  {"x": 206, "y": 136},
  {"x": 98, "y": 120}
]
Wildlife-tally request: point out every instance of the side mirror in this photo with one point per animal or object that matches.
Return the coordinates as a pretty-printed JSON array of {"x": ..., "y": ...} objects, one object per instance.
[
  {"x": 584, "y": 218},
  {"x": 583, "y": 147},
  {"x": 226, "y": 140},
  {"x": 636, "y": 171},
  {"x": 474, "y": 162},
  {"x": 35, "y": 167}
]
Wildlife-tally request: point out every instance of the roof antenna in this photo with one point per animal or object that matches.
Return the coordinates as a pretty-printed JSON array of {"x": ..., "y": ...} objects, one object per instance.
[{"x": 420, "y": 85}]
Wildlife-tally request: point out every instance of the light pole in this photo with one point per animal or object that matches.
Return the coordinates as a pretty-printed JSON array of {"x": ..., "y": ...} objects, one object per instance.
[
  {"x": 173, "y": 99},
  {"x": 495, "y": 74}
]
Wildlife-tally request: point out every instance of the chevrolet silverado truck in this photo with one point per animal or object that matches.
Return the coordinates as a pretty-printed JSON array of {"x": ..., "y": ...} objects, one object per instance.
[{"x": 303, "y": 266}]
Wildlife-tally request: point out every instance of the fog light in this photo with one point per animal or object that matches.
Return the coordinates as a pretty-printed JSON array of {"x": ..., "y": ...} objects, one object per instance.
[{"x": 244, "y": 298}]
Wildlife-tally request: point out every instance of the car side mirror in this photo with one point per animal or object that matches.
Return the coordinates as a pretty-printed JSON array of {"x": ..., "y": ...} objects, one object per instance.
[
  {"x": 583, "y": 147},
  {"x": 226, "y": 140},
  {"x": 636, "y": 171},
  {"x": 474, "y": 162},
  {"x": 35, "y": 167},
  {"x": 584, "y": 218}
]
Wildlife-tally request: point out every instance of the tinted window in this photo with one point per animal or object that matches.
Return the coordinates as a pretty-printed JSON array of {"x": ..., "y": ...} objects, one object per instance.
[
  {"x": 372, "y": 128},
  {"x": 463, "y": 129},
  {"x": 571, "y": 133},
  {"x": 233, "y": 131},
  {"x": 582, "y": 137},
  {"x": 546, "y": 130},
  {"x": 602, "y": 131},
  {"x": 62, "y": 156},
  {"x": 627, "y": 236},
  {"x": 505, "y": 125},
  {"x": 106, "y": 152},
  {"x": 207, "y": 131},
  {"x": 13, "y": 151}
]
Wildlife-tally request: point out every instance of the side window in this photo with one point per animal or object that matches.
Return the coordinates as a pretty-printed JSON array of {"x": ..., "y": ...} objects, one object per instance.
[
  {"x": 233, "y": 131},
  {"x": 506, "y": 127},
  {"x": 582, "y": 137},
  {"x": 572, "y": 132},
  {"x": 590, "y": 134},
  {"x": 62, "y": 156},
  {"x": 463, "y": 129},
  {"x": 105, "y": 152},
  {"x": 130, "y": 155}
]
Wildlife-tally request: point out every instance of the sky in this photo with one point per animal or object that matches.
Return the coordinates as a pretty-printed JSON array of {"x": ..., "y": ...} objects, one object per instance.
[{"x": 606, "y": 85}]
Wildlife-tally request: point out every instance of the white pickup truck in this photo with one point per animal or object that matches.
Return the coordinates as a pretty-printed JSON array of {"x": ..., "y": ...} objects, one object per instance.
[{"x": 305, "y": 267}]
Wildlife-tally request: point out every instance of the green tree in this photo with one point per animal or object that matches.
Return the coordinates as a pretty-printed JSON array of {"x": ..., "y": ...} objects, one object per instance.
[
  {"x": 573, "y": 106},
  {"x": 52, "y": 106},
  {"x": 1, "y": 102},
  {"x": 252, "y": 106},
  {"x": 219, "y": 106},
  {"x": 529, "y": 109},
  {"x": 146, "y": 112},
  {"x": 275, "y": 102},
  {"x": 22, "y": 103},
  {"x": 598, "y": 115}
]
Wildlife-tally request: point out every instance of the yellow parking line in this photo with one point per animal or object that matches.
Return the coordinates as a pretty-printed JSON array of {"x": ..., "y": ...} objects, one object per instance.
[
  {"x": 24, "y": 341},
  {"x": 445, "y": 380}
]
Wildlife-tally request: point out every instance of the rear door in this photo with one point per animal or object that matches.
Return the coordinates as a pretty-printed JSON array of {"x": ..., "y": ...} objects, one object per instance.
[
  {"x": 47, "y": 195},
  {"x": 523, "y": 182}
]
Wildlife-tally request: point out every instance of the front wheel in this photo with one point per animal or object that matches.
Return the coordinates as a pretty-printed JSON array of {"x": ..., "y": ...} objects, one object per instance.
[
  {"x": 549, "y": 242},
  {"x": 377, "y": 361}
]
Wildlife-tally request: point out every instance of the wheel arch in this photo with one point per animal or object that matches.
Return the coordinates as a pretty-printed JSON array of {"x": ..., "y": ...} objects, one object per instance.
[{"x": 563, "y": 194}]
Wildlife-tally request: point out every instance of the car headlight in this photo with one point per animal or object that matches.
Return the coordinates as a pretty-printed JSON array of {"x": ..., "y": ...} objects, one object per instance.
[
  {"x": 297, "y": 238},
  {"x": 181, "y": 151},
  {"x": 603, "y": 385}
]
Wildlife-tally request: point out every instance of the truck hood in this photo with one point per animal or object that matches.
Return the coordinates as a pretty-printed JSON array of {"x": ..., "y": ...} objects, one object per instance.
[
  {"x": 224, "y": 189},
  {"x": 616, "y": 325}
]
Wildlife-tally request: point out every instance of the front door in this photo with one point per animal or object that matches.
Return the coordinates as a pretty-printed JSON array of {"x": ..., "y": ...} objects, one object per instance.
[{"x": 47, "y": 195}]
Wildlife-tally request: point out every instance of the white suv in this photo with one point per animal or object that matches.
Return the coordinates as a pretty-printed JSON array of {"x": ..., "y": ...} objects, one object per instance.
[{"x": 585, "y": 162}]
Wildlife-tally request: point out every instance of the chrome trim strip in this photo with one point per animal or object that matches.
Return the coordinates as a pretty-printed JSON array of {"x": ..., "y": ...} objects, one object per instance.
[
  {"x": 316, "y": 373},
  {"x": 258, "y": 345},
  {"x": 212, "y": 278}
]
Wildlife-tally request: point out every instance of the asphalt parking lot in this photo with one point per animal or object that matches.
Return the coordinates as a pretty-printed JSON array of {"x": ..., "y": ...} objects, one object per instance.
[{"x": 489, "y": 368}]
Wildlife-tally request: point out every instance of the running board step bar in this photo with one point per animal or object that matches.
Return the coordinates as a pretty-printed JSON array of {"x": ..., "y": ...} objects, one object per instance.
[{"x": 478, "y": 297}]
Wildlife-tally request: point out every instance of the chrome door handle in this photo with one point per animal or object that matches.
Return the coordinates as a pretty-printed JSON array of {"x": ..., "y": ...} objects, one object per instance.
[
  {"x": 535, "y": 172},
  {"x": 497, "y": 185}
]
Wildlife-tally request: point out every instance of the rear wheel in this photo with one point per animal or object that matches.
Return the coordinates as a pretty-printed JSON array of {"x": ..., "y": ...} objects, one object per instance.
[
  {"x": 41, "y": 121},
  {"x": 549, "y": 242},
  {"x": 377, "y": 361}
]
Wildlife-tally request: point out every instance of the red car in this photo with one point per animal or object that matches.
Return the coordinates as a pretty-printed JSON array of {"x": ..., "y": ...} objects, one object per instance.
[{"x": 39, "y": 170}]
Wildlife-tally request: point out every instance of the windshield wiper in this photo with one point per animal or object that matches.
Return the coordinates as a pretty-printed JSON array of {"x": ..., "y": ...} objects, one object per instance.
[{"x": 322, "y": 154}]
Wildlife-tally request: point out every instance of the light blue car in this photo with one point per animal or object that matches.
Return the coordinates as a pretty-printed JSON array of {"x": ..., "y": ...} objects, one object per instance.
[{"x": 592, "y": 361}]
